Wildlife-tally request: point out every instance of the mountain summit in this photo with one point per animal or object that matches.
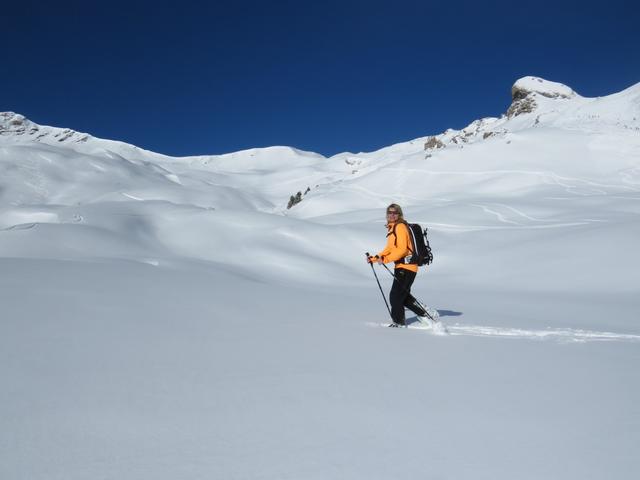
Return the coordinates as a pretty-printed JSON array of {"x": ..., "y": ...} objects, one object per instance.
[
  {"x": 535, "y": 101},
  {"x": 538, "y": 103},
  {"x": 18, "y": 126},
  {"x": 527, "y": 90}
]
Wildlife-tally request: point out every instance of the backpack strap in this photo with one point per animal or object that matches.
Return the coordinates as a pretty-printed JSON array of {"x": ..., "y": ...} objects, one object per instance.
[
  {"x": 393, "y": 232},
  {"x": 395, "y": 237},
  {"x": 412, "y": 239}
]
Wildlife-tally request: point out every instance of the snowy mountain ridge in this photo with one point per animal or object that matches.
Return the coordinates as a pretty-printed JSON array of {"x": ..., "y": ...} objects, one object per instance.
[
  {"x": 540, "y": 103},
  {"x": 16, "y": 128},
  {"x": 54, "y": 176},
  {"x": 529, "y": 95}
]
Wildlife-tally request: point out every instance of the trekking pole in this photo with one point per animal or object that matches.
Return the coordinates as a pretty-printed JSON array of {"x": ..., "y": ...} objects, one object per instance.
[
  {"x": 379, "y": 286},
  {"x": 409, "y": 293}
]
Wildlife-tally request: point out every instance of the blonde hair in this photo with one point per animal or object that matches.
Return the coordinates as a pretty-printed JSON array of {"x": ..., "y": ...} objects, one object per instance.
[{"x": 398, "y": 208}]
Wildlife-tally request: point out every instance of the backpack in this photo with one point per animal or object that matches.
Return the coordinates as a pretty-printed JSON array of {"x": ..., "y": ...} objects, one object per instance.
[{"x": 420, "y": 248}]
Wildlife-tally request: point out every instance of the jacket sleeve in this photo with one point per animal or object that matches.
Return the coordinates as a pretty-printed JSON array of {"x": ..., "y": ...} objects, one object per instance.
[{"x": 397, "y": 245}]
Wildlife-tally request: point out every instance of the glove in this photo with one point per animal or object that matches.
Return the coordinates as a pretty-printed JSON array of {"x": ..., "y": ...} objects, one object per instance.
[{"x": 373, "y": 259}]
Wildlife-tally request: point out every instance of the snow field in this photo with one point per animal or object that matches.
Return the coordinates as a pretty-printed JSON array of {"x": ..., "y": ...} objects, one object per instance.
[{"x": 169, "y": 317}]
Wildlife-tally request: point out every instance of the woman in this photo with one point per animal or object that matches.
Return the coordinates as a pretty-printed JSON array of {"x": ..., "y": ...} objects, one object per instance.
[{"x": 398, "y": 247}]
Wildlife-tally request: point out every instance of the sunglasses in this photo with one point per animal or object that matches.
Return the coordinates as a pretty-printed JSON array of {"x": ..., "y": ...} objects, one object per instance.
[{"x": 392, "y": 212}]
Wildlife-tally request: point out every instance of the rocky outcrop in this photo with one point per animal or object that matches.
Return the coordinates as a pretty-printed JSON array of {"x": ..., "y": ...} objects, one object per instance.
[
  {"x": 14, "y": 124},
  {"x": 523, "y": 105},
  {"x": 527, "y": 90},
  {"x": 433, "y": 142},
  {"x": 297, "y": 198}
]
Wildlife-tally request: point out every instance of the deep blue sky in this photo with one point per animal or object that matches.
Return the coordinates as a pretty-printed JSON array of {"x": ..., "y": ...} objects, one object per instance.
[{"x": 186, "y": 78}]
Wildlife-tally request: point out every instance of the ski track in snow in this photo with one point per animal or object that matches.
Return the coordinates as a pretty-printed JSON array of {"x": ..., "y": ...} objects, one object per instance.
[
  {"x": 563, "y": 335},
  {"x": 519, "y": 212},
  {"x": 500, "y": 217},
  {"x": 132, "y": 197},
  {"x": 560, "y": 335}
]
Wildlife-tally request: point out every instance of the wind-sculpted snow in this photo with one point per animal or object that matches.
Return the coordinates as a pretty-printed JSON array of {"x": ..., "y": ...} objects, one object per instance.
[{"x": 170, "y": 318}]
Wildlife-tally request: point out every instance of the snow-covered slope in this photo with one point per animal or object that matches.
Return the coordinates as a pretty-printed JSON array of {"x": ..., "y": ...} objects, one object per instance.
[{"x": 171, "y": 318}]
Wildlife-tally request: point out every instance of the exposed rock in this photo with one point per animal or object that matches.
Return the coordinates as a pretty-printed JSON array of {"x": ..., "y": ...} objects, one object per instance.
[
  {"x": 297, "y": 198},
  {"x": 521, "y": 105},
  {"x": 13, "y": 123},
  {"x": 526, "y": 89},
  {"x": 433, "y": 142},
  {"x": 294, "y": 200}
]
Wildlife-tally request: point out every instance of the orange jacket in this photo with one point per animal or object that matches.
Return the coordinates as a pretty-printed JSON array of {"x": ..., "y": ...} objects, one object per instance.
[{"x": 398, "y": 246}]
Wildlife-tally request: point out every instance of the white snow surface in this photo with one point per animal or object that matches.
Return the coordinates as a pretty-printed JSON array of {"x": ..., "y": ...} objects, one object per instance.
[
  {"x": 544, "y": 87},
  {"x": 170, "y": 318}
]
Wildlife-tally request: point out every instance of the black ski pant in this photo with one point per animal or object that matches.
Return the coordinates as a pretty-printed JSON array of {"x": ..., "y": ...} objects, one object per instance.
[{"x": 400, "y": 296}]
